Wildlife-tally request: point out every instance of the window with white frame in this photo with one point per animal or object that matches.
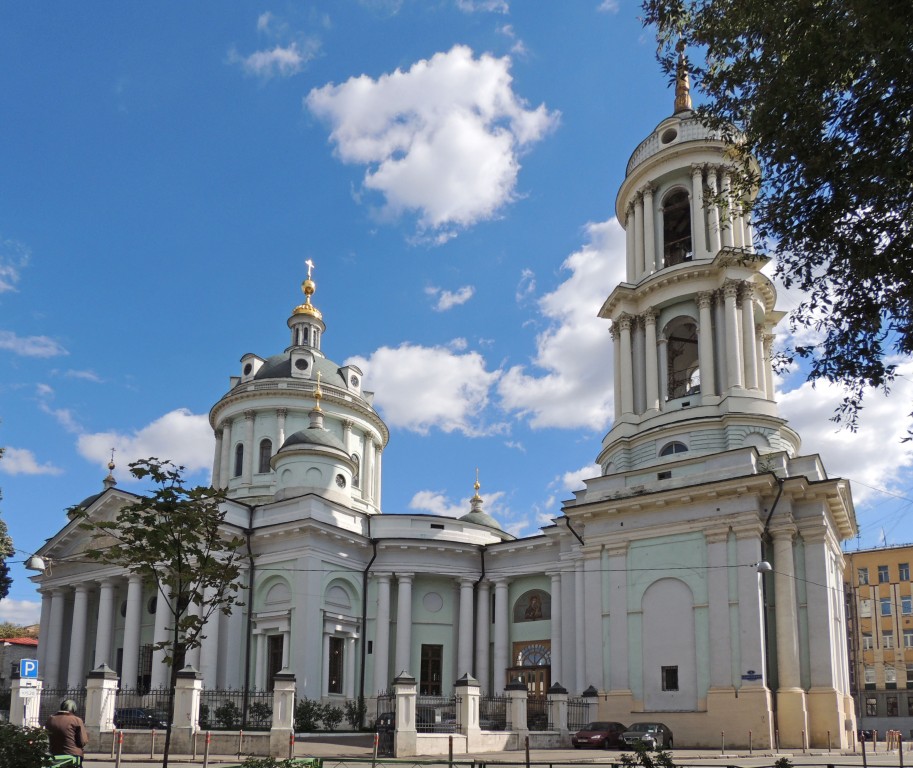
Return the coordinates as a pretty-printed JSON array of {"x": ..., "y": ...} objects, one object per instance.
[
  {"x": 865, "y": 608},
  {"x": 908, "y": 638},
  {"x": 869, "y": 673},
  {"x": 863, "y": 574},
  {"x": 871, "y": 707},
  {"x": 903, "y": 571},
  {"x": 883, "y": 576},
  {"x": 906, "y": 605},
  {"x": 867, "y": 643},
  {"x": 890, "y": 674},
  {"x": 885, "y": 603},
  {"x": 887, "y": 638}
]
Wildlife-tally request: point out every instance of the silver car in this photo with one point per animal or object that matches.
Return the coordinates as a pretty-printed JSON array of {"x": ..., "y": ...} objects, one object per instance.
[{"x": 650, "y": 735}]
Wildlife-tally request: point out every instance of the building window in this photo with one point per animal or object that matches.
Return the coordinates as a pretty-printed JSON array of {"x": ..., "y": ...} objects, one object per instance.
[
  {"x": 906, "y": 605},
  {"x": 903, "y": 571},
  {"x": 908, "y": 638},
  {"x": 867, "y": 641},
  {"x": 266, "y": 453},
  {"x": 891, "y": 703},
  {"x": 910, "y": 706},
  {"x": 871, "y": 707},
  {"x": 887, "y": 638},
  {"x": 674, "y": 447},
  {"x": 863, "y": 574},
  {"x": 683, "y": 370},
  {"x": 430, "y": 677},
  {"x": 883, "y": 574},
  {"x": 356, "y": 474},
  {"x": 336, "y": 665},
  {"x": 239, "y": 459},
  {"x": 869, "y": 673},
  {"x": 670, "y": 678},
  {"x": 885, "y": 603},
  {"x": 865, "y": 608},
  {"x": 890, "y": 675},
  {"x": 676, "y": 228}
]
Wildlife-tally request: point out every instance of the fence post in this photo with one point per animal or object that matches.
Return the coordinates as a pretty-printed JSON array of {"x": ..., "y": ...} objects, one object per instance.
[
  {"x": 283, "y": 724},
  {"x": 592, "y": 700},
  {"x": 25, "y": 701},
  {"x": 468, "y": 694},
  {"x": 404, "y": 737},
  {"x": 557, "y": 711},
  {"x": 186, "y": 709},
  {"x": 101, "y": 692},
  {"x": 517, "y": 693}
]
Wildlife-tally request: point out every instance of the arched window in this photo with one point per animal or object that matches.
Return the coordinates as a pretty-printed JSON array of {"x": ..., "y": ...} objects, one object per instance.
[
  {"x": 674, "y": 447},
  {"x": 356, "y": 474},
  {"x": 683, "y": 362},
  {"x": 266, "y": 453},
  {"x": 239, "y": 459},
  {"x": 676, "y": 228}
]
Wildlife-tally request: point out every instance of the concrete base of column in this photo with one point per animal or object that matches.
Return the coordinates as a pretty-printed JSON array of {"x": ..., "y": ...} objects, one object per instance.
[
  {"x": 739, "y": 717},
  {"x": 827, "y": 713},
  {"x": 792, "y": 718}
]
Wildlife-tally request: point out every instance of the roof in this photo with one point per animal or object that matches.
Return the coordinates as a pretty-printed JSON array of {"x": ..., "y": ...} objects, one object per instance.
[
  {"x": 29, "y": 641},
  {"x": 314, "y": 436},
  {"x": 280, "y": 367}
]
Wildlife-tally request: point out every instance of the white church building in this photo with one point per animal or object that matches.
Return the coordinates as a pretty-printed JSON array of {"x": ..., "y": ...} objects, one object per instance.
[{"x": 651, "y": 584}]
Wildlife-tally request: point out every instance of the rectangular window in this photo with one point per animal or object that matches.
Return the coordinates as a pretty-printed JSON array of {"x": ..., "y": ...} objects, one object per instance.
[
  {"x": 903, "y": 571},
  {"x": 430, "y": 677},
  {"x": 885, "y": 603},
  {"x": 883, "y": 574},
  {"x": 865, "y": 608},
  {"x": 863, "y": 574},
  {"x": 336, "y": 664},
  {"x": 890, "y": 674},
  {"x": 887, "y": 638},
  {"x": 906, "y": 605},
  {"x": 908, "y": 638},
  {"x": 871, "y": 707},
  {"x": 869, "y": 673},
  {"x": 670, "y": 678},
  {"x": 867, "y": 643},
  {"x": 891, "y": 702},
  {"x": 910, "y": 706}
]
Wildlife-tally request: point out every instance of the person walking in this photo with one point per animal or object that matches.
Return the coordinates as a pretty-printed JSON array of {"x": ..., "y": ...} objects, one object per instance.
[{"x": 66, "y": 731}]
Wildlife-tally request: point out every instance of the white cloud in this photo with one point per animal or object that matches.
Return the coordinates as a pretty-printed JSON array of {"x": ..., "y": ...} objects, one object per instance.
[
  {"x": 84, "y": 375},
  {"x": 21, "y": 612},
  {"x": 21, "y": 461},
  {"x": 575, "y": 350},
  {"x": 608, "y": 6},
  {"x": 437, "y": 503},
  {"x": 264, "y": 20},
  {"x": 573, "y": 480},
  {"x": 63, "y": 416},
  {"x": 13, "y": 258},
  {"x": 180, "y": 436},
  {"x": 450, "y": 299},
  {"x": 516, "y": 444},
  {"x": 30, "y": 346},
  {"x": 441, "y": 140},
  {"x": 518, "y": 47},
  {"x": 487, "y": 6},
  {"x": 420, "y": 388},
  {"x": 280, "y": 60},
  {"x": 526, "y": 287},
  {"x": 874, "y": 454}
]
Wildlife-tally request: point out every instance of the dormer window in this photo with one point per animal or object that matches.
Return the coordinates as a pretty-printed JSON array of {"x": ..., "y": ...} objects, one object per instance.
[
  {"x": 672, "y": 448},
  {"x": 677, "y": 246}
]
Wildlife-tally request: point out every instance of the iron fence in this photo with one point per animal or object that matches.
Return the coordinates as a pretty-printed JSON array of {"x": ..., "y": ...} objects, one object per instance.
[
  {"x": 437, "y": 714},
  {"x": 141, "y": 708},
  {"x": 578, "y": 713},
  {"x": 233, "y": 710},
  {"x": 51, "y": 699},
  {"x": 537, "y": 714},
  {"x": 494, "y": 713}
]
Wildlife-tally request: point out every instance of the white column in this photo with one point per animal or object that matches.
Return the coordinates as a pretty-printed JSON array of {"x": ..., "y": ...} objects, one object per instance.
[
  {"x": 718, "y": 596},
  {"x": 464, "y": 646},
  {"x": 705, "y": 343},
  {"x": 130, "y": 659},
  {"x": 733, "y": 348},
  {"x": 382, "y": 634},
  {"x": 785, "y": 608},
  {"x": 105, "y": 624},
  {"x": 231, "y": 666},
  {"x": 616, "y": 368},
  {"x": 698, "y": 240},
  {"x": 192, "y": 658},
  {"x": 367, "y": 479},
  {"x": 247, "y": 468},
  {"x": 502, "y": 636},
  {"x": 378, "y": 474},
  {"x": 483, "y": 622},
  {"x": 626, "y": 364},
  {"x": 161, "y": 633},
  {"x": 281, "y": 413},
  {"x": 225, "y": 467},
  {"x": 209, "y": 652},
  {"x": 217, "y": 460},
  {"x": 768, "y": 339},
  {"x": 349, "y": 681},
  {"x": 54, "y": 639},
  {"x": 650, "y": 260},
  {"x": 638, "y": 236},
  {"x": 557, "y": 670},
  {"x": 663, "y": 349},
  {"x": 75, "y": 669},
  {"x": 751, "y": 620},
  {"x": 630, "y": 247},
  {"x": 729, "y": 213},
  {"x": 650, "y": 360},
  {"x": 403, "y": 624},
  {"x": 580, "y": 627},
  {"x": 748, "y": 337},
  {"x": 638, "y": 358},
  {"x": 713, "y": 213},
  {"x": 825, "y": 625},
  {"x": 618, "y": 618},
  {"x": 260, "y": 643},
  {"x": 749, "y": 233},
  {"x": 44, "y": 628}
]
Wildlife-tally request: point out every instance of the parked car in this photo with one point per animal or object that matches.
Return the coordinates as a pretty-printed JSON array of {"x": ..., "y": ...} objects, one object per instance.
[
  {"x": 599, "y": 734},
  {"x": 865, "y": 734},
  {"x": 137, "y": 717},
  {"x": 651, "y": 735}
]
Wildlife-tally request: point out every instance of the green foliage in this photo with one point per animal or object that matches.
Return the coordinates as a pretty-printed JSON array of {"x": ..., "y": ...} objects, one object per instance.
[
  {"x": 821, "y": 95},
  {"x": 331, "y": 716},
  {"x": 8, "y": 629},
  {"x": 783, "y": 762},
  {"x": 308, "y": 714},
  {"x": 272, "y": 762},
  {"x": 23, "y": 747},
  {"x": 228, "y": 715},
  {"x": 203, "y": 718},
  {"x": 355, "y": 712},
  {"x": 644, "y": 758},
  {"x": 260, "y": 714}
]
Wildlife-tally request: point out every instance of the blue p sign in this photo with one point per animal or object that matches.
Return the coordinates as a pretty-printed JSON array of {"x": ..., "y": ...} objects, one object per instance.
[{"x": 28, "y": 668}]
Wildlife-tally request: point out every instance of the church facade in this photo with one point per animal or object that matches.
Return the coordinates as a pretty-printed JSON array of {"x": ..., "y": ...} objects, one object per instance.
[{"x": 697, "y": 580}]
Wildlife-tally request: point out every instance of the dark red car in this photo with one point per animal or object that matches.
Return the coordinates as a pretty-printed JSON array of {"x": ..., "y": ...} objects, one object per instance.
[{"x": 599, "y": 734}]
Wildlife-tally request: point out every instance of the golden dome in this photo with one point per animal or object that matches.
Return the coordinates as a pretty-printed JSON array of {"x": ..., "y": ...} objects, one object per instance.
[{"x": 308, "y": 287}]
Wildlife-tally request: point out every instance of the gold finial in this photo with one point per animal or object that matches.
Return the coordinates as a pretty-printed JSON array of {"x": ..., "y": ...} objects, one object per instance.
[
  {"x": 317, "y": 392},
  {"x": 308, "y": 287},
  {"x": 110, "y": 481},
  {"x": 477, "y": 485},
  {"x": 682, "y": 83},
  {"x": 111, "y": 463}
]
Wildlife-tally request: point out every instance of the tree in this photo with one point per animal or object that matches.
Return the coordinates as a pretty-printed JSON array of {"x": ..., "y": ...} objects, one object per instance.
[
  {"x": 821, "y": 94},
  {"x": 175, "y": 538},
  {"x": 6, "y": 550}
]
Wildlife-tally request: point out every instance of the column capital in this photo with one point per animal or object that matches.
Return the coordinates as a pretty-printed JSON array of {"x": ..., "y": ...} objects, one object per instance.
[
  {"x": 625, "y": 321},
  {"x": 717, "y": 536},
  {"x": 613, "y": 331},
  {"x": 347, "y": 424},
  {"x": 731, "y": 288},
  {"x": 382, "y": 578},
  {"x": 500, "y": 581},
  {"x": 705, "y": 299},
  {"x": 248, "y": 415},
  {"x": 282, "y": 412},
  {"x": 785, "y": 531},
  {"x": 405, "y": 578},
  {"x": 649, "y": 316},
  {"x": 225, "y": 424},
  {"x": 748, "y": 291},
  {"x": 464, "y": 581},
  {"x": 697, "y": 169},
  {"x": 648, "y": 189},
  {"x": 617, "y": 550}
]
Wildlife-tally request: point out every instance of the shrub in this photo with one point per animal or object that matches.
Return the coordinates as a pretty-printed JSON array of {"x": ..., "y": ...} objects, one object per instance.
[
  {"x": 307, "y": 714},
  {"x": 228, "y": 715},
  {"x": 23, "y": 747},
  {"x": 260, "y": 714},
  {"x": 269, "y": 762},
  {"x": 355, "y": 712},
  {"x": 332, "y": 717},
  {"x": 644, "y": 758}
]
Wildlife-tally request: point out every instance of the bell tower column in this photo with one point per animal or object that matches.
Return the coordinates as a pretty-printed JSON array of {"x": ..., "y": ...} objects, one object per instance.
[
  {"x": 705, "y": 344},
  {"x": 729, "y": 212},
  {"x": 698, "y": 240},
  {"x": 733, "y": 356},
  {"x": 638, "y": 236},
  {"x": 630, "y": 244},
  {"x": 713, "y": 212},
  {"x": 650, "y": 260},
  {"x": 625, "y": 362},
  {"x": 651, "y": 371},
  {"x": 748, "y": 337}
]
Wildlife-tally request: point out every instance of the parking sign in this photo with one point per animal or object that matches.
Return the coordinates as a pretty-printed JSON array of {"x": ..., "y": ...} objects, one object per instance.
[{"x": 28, "y": 668}]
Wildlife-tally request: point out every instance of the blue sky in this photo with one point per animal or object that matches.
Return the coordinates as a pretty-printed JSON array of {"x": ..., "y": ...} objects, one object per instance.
[{"x": 449, "y": 166}]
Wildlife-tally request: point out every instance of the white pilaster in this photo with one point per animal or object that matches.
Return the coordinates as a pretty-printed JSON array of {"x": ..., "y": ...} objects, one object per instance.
[
  {"x": 403, "y": 623},
  {"x": 52, "y": 677},
  {"x": 556, "y": 624},
  {"x": 748, "y": 337},
  {"x": 349, "y": 681},
  {"x": 161, "y": 633},
  {"x": 367, "y": 480},
  {"x": 464, "y": 645},
  {"x": 705, "y": 343},
  {"x": 501, "y": 653},
  {"x": 662, "y": 348},
  {"x": 729, "y": 214},
  {"x": 209, "y": 652},
  {"x": 44, "y": 628},
  {"x": 630, "y": 247},
  {"x": 130, "y": 661},
  {"x": 483, "y": 623},
  {"x": 281, "y": 414},
  {"x": 785, "y": 608},
  {"x": 580, "y": 627},
  {"x": 639, "y": 236},
  {"x": 733, "y": 347},
  {"x": 626, "y": 363},
  {"x": 650, "y": 260},
  {"x": 698, "y": 240},
  {"x": 75, "y": 671},
  {"x": 616, "y": 368},
  {"x": 249, "y": 458},
  {"x": 382, "y": 634},
  {"x": 618, "y": 618},
  {"x": 217, "y": 460},
  {"x": 225, "y": 465},
  {"x": 713, "y": 213},
  {"x": 650, "y": 360},
  {"x": 751, "y": 620},
  {"x": 718, "y": 597},
  {"x": 378, "y": 474},
  {"x": 105, "y": 624}
]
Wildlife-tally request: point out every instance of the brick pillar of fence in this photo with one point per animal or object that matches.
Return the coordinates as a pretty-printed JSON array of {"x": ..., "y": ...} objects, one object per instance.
[
  {"x": 282, "y": 728},
  {"x": 25, "y": 701},
  {"x": 557, "y": 711},
  {"x": 404, "y": 738},
  {"x": 517, "y": 693},
  {"x": 101, "y": 690},
  {"x": 591, "y": 695},
  {"x": 468, "y": 694},
  {"x": 186, "y": 710}
]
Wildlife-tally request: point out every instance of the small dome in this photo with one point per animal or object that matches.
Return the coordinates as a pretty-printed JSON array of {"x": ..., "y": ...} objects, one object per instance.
[
  {"x": 314, "y": 436},
  {"x": 280, "y": 367},
  {"x": 481, "y": 518}
]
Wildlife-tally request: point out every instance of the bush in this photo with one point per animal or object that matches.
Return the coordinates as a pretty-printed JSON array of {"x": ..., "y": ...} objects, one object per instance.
[
  {"x": 228, "y": 715},
  {"x": 307, "y": 714},
  {"x": 644, "y": 758},
  {"x": 204, "y": 717},
  {"x": 259, "y": 715},
  {"x": 355, "y": 712},
  {"x": 23, "y": 747},
  {"x": 269, "y": 762},
  {"x": 332, "y": 717}
]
